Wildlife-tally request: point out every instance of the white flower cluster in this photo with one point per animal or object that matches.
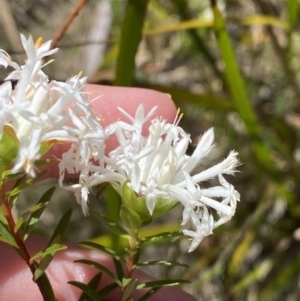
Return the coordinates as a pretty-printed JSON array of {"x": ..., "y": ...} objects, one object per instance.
[
  {"x": 156, "y": 166},
  {"x": 37, "y": 111}
]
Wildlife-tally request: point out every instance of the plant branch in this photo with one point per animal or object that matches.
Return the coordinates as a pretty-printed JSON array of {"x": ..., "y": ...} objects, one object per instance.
[
  {"x": 22, "y": 250},
  {"x": 66, "y": 25}
]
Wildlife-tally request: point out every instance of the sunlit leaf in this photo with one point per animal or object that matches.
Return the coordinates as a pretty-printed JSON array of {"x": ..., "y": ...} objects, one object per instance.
[
  {"x": 161, "y": 283},
  {"x": 196, "y": 23},
  {"x": 5, "y": 235},
  {"x": 265, "y": 20},
  {"x": 9, "y": 146},
  {"x": 162, "y": 262},
  {"x": 50, "y": 250},
  {"x": 47, "y": 256},
  {"x": 160, "y": 236}
]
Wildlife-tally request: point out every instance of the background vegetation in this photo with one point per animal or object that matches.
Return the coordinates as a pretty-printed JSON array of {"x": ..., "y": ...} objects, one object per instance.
[{"x": 233, "y": 65}]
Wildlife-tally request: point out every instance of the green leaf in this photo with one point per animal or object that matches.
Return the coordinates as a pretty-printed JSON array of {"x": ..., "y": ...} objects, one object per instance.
[
  {"x": 53, "y": 245},
  {"x": 100, "y": 267},
  {"x": 162, "y": 206},
  {"x": 162, "y": 262},
  {"x": 44, "y": 281},
  {"x": 47, "y": 256},
  {"x": 9, "y": 146},
  {"x": 49, "y": 250},
  {"x": 130, "y": 218},
  {"x": 92, "y": 285},
  {"x": 239, "y": 93},
  {"x": 8, "y": 176},
  {"x": 149, "y": 293},
  {"x": 292, "y": 9},
  {"x": 137, "y": 204},
  {"x": 61, "y": 227},
  {"x": 31, "y": 211},
  {"x": 107, "y": 289},
  {"x": 8, "y": 240},
  {"x": 161, "y": 283},
  {"x": 110, "y": 224},
  {"x": 87, "y": 291},
  {"x": 130, "y": 38},
  {"x": 5, "y": 235},
  {"x": 26, "y": 184},
  {"x": 129, "y": 289},
  {"x": 265, "y": 20},
  {"x": 195, "y": 23},
  {"x": 35, "y": 214},
  {"x": 103, "y": 249},
  {"x": 160, "y": 236},
  {"x": 119, "y": 269}
]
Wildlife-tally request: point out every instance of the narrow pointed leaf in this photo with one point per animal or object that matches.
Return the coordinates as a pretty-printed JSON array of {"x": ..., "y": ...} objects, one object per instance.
[
  {"x": 100, "y": 267},
  {"x": 51, "y": 249},
  {"x": 130, "y": 38},
  {"x": 47, "y": 256},
  {"x": 87, "y": 291},
  {"x": 93, "y": 284},
  {"x": 47, "y": 287},
  {"x": 37, "y": 211},
  {"x": 103, "y": 249},
  {"x": 149, "y": 293},
  {"x": 61, "y": 227},
  {"x": 8, "y": 241},
  {"x": 5, "y": 235},
  {"x": 107, "y": 289},
  {"x": 239, "y": 93},
  {"x": 161, "y": 283},
  {"x": 119, "y": 268},
  {"x": 265, "y": 20},
  {"x": 195, "y": 23},
  {"x": 162, "y": 262},
  {"x": 110, "y": 224},
  {"x": 53, "y": 245},
  {"x": 9, "y": 146},
  {"x": 129, "y": 289},
  {"x": 26, "y": 184},
  {"x": 160, "y": 236}
]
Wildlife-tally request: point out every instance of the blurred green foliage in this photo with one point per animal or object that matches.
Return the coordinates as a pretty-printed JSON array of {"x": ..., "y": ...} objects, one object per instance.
[{"x": 233, "y": 65}]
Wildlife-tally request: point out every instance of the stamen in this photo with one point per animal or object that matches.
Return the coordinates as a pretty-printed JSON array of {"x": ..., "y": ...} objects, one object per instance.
[
  {"x": 80, "y": 73},
  {"x": 177, "y": 117},
  {"x": 38, "y": 43}
]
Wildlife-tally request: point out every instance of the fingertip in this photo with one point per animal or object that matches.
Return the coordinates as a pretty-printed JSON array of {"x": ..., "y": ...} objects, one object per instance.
[{"x": 105, "y": 101}]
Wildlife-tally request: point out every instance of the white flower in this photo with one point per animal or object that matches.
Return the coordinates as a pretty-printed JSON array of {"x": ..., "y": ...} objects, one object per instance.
[
  {"x": 38, "y": 105},
  {"x": 156, "y": 167}
]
